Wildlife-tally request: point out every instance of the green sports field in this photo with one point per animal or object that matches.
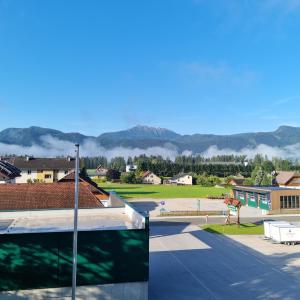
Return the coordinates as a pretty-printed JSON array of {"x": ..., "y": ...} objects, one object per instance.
[{"x": 131, "y": 191}]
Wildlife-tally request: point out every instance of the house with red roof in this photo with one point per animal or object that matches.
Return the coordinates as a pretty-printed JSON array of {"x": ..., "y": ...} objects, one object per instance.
[{"x": 149, "y": 177}]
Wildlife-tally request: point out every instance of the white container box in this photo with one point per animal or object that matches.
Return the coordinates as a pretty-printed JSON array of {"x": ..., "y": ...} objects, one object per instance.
[
  {"x": 267, "y": 225},
  {"x": 285, "y": 233}
]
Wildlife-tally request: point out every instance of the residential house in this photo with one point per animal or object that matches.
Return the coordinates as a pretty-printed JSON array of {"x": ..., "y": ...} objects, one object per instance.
[
  {"x": 100, "y": 172},
  {"x": 131, "y": 168},
  {"x": 236, "y": 181},
  {"x": 288, "y": 179},
  {"x": 100, "y": 193},
  {"x": 46, "y": 170},
  {"x": 150, "y": 178},
  {"x": 8, "y": 172},
  {"x": 181, "y": 179}
]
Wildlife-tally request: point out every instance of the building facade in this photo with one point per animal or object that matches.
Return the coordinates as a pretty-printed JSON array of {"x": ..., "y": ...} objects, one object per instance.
[
  {"x": 271, "y": 200},
  {"x": 46, "y": 170},
  {"x": 181, "y": 179},
  {"x": 113, "y": 254},
  {"x": 150, "y": 178}
]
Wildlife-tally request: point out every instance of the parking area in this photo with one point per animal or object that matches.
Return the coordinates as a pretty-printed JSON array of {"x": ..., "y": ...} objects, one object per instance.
[{"x": 189, "y": 263}]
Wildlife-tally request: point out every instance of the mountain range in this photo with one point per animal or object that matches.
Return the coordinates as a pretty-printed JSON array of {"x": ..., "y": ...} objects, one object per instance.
[{"x": 144, "y": 137}]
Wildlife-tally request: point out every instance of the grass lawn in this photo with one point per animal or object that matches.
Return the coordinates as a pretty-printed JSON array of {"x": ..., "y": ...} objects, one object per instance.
[
  {"x": 131, "y": 191},
  {"x": 247, "y": 228}
]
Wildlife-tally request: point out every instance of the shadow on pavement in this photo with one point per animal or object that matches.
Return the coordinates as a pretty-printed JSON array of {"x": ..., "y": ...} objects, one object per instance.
[{"x": 221, "y": 268}]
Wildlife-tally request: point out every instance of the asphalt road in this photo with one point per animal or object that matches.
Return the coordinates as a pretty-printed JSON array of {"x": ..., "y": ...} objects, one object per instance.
[{"x": 187, "y": 263}]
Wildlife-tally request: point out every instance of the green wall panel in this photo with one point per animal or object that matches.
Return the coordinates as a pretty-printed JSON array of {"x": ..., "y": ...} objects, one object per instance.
[
  {"x": 252, "y": 200},
  {"x": 43, "y": 260}
]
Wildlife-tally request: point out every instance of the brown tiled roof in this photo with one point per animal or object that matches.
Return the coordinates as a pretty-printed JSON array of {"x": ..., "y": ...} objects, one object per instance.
[
  {"x": 238, "y": 181},
  {"x": 145, "y": 174},
  {"x": 26, "y": 196},
  {"x": 284, "y": 177},
  {"x": 88, "y": 181},
  {"x": 43, "y": 163}
]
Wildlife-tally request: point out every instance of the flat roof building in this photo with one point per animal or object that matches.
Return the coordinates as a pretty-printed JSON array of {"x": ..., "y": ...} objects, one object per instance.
[
  {"x": 36, "y": 253},
  {"x": 270, "y": 199}
]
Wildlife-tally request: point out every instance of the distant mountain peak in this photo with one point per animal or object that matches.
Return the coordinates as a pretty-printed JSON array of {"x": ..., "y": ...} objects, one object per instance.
[
  {"x": 142, "y": 132},
  {"x": 144, "y": 137}
]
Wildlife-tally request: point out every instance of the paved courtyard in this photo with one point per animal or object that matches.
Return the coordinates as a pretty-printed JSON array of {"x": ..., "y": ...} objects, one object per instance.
[{"x": 189, "y": 263}]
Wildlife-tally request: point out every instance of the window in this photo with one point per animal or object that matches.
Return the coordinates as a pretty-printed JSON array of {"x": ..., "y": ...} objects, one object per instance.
[
  {"x": 289, "y": 202},
  {"x": 28, "y": 172},
  {"x": 293, "y": 201},
  {"x": 48, "y": 176},
  {"x": 281, "y": 202}
]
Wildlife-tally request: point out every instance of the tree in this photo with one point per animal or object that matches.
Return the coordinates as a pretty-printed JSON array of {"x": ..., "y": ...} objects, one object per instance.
[
  {"x": 128, "y": 177},
  {"x": 112, "y": 174},
  {"x": 118, "y": 163},
  {"x": 248, "y": 181},
  {"x": 267, "y": 180},
  {"x": 268, "y": 166},
  {"x": 259, "y": 177}
]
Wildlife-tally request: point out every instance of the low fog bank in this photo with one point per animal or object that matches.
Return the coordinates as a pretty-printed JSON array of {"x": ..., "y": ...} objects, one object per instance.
[{"x": 52, "y": 147}]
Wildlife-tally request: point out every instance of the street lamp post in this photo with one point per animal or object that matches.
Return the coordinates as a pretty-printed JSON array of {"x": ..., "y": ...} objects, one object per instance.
[{"x": 75, "y": 234}]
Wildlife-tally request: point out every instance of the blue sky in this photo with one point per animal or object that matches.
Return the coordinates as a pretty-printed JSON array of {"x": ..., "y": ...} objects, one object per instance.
[{"x": 188, "y": 65}]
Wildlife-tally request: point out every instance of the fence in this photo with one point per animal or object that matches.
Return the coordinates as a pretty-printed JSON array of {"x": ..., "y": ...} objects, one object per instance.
[{"x": 178, "y": 213}]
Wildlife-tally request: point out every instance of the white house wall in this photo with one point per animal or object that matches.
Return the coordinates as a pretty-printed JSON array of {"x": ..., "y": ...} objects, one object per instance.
[
  {"x": 33, "y": 176},
  {"x": 25, "y": 176}
]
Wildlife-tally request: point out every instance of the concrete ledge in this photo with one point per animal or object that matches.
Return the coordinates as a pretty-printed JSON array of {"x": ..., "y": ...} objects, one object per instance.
[{"x": 119, "y": 291}]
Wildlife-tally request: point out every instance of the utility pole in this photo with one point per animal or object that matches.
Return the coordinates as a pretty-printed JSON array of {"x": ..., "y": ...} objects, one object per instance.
[{"x": 75, "y": 234}]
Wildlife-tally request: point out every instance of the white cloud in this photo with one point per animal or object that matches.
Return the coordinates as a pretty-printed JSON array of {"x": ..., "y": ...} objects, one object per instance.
[
  {"x": 291, "y": 151},
  {"x": 52, "y": 147}
]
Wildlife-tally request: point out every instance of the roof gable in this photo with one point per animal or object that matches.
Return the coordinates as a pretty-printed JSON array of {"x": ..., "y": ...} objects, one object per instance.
[{"x": 284, "y": 177}]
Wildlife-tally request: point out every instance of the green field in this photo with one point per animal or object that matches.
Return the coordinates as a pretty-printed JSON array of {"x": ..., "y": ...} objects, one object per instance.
[
  {"x": 233, "y": 229},
  {"x": 130, "y": 191}
]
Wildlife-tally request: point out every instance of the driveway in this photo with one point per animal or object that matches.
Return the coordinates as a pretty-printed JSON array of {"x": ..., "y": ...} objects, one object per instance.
[{"x": 187, "y": 263}]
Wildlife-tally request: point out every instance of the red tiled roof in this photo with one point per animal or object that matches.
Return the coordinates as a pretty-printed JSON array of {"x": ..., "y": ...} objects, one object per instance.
[
  {"x": 26, "y": 196},
  {"x": 145, "y": 174},
  {"x": 87, "y": 180}
]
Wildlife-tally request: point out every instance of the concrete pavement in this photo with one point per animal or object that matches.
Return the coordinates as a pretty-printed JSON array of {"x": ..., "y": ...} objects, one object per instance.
[
  {"x": 153, "y": 206},
  {"x": 187, "y": 263}
]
